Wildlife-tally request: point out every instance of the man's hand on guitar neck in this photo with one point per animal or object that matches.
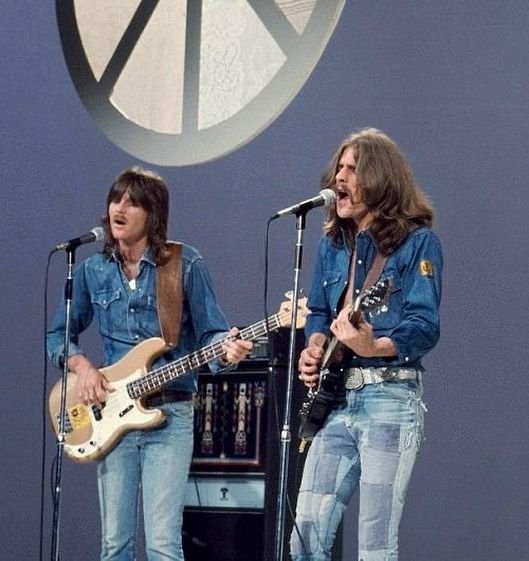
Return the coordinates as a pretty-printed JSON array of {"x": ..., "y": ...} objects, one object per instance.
[
  {"x": 235, "y": 349},
  {"x": 92, "y": 386},
  {"x": 310, "y": 360}
]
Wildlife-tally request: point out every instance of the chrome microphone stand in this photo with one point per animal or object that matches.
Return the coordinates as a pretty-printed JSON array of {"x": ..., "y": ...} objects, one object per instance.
[{"x": 286, "y": 436}]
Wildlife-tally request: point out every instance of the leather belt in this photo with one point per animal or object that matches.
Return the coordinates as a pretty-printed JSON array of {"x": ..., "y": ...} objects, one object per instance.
[
  {"x": 167, "y": 396},
  {"x": 356, "y": 378}
]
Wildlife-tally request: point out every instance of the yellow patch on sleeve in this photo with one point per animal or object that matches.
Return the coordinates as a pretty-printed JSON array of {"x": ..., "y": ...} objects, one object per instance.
[{"x": 426, "y": 268}]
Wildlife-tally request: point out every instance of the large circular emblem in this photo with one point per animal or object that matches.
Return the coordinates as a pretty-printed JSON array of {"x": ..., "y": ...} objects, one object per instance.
[{"x": 179, "y": 82}]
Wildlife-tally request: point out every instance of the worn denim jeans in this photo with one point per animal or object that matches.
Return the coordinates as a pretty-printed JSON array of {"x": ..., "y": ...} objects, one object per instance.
[
  {"x": 370, "y": 442},
  {"x": 154, "y": 465}
]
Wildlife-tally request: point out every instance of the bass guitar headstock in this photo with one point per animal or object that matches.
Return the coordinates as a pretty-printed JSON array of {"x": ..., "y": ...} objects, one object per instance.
[{"x": 285, "y": 311}]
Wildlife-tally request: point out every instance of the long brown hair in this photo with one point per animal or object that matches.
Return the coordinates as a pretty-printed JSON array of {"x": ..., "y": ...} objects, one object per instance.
[
  {"x": 149, "y": 191},
  {"x": 388, "y": 190}
]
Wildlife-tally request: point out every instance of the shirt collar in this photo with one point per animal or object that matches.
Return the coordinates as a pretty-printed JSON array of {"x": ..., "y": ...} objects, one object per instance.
[
  {"x": 148, "y": 256},
  {"x": 361, "y": 235}
]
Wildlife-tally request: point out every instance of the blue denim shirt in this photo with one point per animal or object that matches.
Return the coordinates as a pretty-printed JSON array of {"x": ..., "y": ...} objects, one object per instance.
[
  {"x": 411, "y": 319},
  {"x": 125, "y": 317}
]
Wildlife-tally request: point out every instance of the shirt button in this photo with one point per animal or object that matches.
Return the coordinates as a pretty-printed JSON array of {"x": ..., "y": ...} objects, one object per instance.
[
  {"x": 136, "y": 336},
  {"x": 132, "y": 310},
  {"x": 359, "y": 261},
  {"x": 357, "y": 291}
]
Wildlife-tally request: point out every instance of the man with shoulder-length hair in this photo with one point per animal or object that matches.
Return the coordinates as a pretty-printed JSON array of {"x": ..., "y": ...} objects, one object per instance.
[
  {"x": 377, "y": 230},
  {"x": 118, "y": 289}
]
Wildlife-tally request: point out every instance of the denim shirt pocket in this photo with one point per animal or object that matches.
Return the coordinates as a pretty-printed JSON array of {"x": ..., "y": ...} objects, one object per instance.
[
  {"x": 104, "y": 302},
  {"x": 388, "y": 315}
]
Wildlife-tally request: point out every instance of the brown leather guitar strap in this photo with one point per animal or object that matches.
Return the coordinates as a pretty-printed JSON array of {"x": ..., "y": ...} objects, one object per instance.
[
  {"x": 372, "y": 276},
  {"x": 170, "y": 294},
  {"x": 376, "y": 270}
]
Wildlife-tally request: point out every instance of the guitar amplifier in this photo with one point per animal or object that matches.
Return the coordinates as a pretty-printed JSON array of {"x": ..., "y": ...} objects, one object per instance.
[
  {"x": 230, "y": 420},
  {"x": 225, "y": 492},
  {"x": 231, "y": 495}
]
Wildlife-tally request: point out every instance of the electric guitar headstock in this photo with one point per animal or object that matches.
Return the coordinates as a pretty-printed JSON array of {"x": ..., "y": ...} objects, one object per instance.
[{"x": 373, "y": 299}]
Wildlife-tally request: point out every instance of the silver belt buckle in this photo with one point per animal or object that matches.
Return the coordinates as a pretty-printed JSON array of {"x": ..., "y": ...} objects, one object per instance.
[{"x": 355, "y": 379}]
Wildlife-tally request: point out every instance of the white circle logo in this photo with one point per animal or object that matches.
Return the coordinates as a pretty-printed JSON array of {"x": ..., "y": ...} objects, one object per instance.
[{"x": 179, "y": 82}]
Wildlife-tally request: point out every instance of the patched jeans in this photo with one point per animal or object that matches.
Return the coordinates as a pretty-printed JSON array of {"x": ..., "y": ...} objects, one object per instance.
[
  {"x": 371, "y": 441},
  {"x": 153, "y": 464}
]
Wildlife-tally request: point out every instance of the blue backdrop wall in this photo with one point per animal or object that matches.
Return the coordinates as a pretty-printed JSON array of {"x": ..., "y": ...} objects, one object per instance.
[{"x": 449, "y": 81}]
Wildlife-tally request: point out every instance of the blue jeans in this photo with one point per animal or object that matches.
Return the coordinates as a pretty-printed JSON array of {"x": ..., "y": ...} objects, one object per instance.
[
  {"x": 154, "y": 463},
  {"x": 371, "y": 441}
]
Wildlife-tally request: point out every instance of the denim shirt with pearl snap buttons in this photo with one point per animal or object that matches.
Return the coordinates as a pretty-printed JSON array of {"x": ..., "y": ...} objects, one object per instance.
[
  {"x": 125, "y": 316},
  {"x": 410, "y": 317}
]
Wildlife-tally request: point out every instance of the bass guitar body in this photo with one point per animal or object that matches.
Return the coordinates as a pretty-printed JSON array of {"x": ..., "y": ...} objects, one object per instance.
[{"x": 90, "y": 432}]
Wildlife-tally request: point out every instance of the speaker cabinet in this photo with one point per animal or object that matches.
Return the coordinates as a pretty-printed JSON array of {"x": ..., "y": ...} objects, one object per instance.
[
  {"x": 223, "y": 535},
  {"x": 232, "y": 495}
]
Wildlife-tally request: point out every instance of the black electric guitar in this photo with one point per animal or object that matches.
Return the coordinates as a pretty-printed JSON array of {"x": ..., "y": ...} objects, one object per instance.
[{"x": 319, "y": 402}]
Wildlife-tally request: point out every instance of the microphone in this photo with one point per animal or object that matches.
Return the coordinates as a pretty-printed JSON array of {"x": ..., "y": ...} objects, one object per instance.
[
  {"x": 95, "y": 235},
  {"x": 325, "y": 198}
]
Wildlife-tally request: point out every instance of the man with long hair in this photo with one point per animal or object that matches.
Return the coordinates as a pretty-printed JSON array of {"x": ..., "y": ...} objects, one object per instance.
[
  {"x": 118, "y": 289},
  {"x": 381, "y": 222}
]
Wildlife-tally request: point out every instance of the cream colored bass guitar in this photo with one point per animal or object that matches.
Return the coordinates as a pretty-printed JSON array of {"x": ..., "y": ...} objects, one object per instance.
[{"x": 90, "y": 432}]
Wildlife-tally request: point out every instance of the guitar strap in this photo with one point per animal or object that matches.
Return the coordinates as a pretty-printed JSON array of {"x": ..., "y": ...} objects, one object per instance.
[
  {"x": 372, "y": 275},
  {"x": 170, "y": 294},
  {"x": 376, "y": 270}
]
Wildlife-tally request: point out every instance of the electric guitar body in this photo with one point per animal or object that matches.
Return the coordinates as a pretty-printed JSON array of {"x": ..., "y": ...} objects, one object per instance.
[{"x": 319, "y": 402}]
